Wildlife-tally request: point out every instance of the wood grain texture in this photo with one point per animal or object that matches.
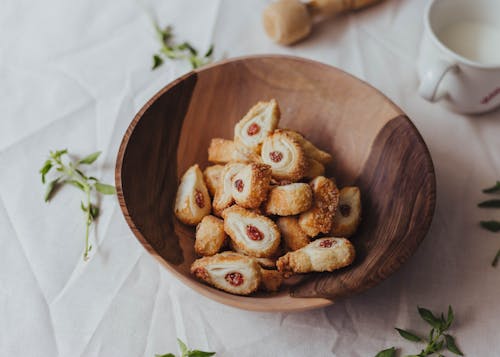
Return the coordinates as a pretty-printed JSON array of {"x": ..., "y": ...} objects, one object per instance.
[{"x": 374, "y": 146}]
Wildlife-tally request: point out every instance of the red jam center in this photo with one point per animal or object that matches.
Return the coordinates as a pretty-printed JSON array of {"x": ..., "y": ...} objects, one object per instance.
[
  {"x": 239, "y": 185},
  {"x": 200, "y": 273},
  {"x": 345, "y": 210},
  {"x": 198, "y": 197},
  {"x": 276, "y": 156},
  {"x": 235, "y": 279},
  {"x": 253, "y": 129},
  {"x": 253, "y": 233},
  {"x": 327, "y": 243}
]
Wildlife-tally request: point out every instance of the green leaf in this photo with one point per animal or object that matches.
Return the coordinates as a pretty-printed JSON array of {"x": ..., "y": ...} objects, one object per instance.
[
  {"x": 429, "y": 317},
  {"x": 50, "y": 189},
  {"x": 182, "y": 346},
  {"x": 87, "y": 160},
  {"x": 165, "y": 355},
  {"x": 408, "y": 335},
  {"x": 490, "y": 204},
  {"x": 493, "y": 189},
  {"x": 157, "y": 61},
  {"x": 81, "y": 174},
  {"x": 451, "y": 345},
  {"x": 58, "y": 153},
  {"x": 494, "y": 263},
  {"x": 390, "y": 352},
  {"x": 83, "y": 207},
  {"x": 209, "y": 51},
  {"x": 45, "y": 169},
  {"x": 196, "y": 353},
  {"x": 76, "y": 184},
  {"x": 105, "y": 189},
  {"x": 450, "y": 317},
  {"x": 492, "y": 226},
  {"x": 94, "y": 211}
]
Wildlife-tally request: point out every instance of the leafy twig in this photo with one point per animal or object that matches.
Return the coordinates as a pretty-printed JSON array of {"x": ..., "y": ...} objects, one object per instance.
[
  {"x": 174, "y": 51},
  {"x": 187, "y": 353},
  {"x": 492, "y": 225},
  {"x": 493, "y": 189},
  {"x": 69, "y": 173}
]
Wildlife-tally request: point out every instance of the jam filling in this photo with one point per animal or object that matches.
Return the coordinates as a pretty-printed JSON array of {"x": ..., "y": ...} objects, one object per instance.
[
  {"x": 239, "y": 185},
  {"x": 327, "y": 243},
  {"x": 276, "y": 156},
  {"x": 253, "y": 129},
  {"x": 198, "y": 197},
  {"x": 235, "y": 279},
  {"x": 200, "y": 273},
  {"x": 253, "y": 233}
]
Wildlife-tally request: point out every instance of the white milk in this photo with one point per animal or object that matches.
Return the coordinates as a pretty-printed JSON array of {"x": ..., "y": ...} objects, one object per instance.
[{"x": 475, "y": 41}]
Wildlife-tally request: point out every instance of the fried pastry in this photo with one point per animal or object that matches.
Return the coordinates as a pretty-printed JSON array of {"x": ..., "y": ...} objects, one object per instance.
[
  {"x": 292, "y": 235},
  {"x": 310, "y": 149},
  {"x": 271, "y": 280},
  {"x": 348, "y": 214},
  {"x": 228, "y": 271},
  {"x": 319, "y": 218},
  {"x": 212, "y": 175},
  {"x": 223, "y": 197},
  {"x": 250, "y": 186},
  {"x": 192, "y": 201},
  {"x": 266, "y": 263},
  {"x": 314, "y": 168},
  {"x": 222, "y": 151},
  {"x": 324, "y": 254},
  {"x": 288, "y": 200},
  {"x": 210, "y": 236},
  {"x": 260, "y": 121},
  {"x": 285, "y": 156},
  {"x": 250, "y": 232}
]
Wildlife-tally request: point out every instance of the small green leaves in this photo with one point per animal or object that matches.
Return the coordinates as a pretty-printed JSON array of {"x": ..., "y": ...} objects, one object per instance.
[
  {"x": 494, "y": 263},
  {"x": 182, "y": 346},
  {"x": 196, "y": 353},
  {"x": 408, "y": 335},
  {"x": 87, "y": 160},
  {"x": 489, "y": 204},
  {"x": 105, "y": 189},
  {"x": 157, "y": 61},
  {"x": 185, "y": 352},
  {"x": 165, "y": 355},
  {"x": 451, "y": 345},
  {"x": 72, "y": 175},
  {"x": 493, "y": 189},
  {"x": 429, "y": 317},
  {"x": 389, "y": 352},
  {"x": 492, "y": 226}
]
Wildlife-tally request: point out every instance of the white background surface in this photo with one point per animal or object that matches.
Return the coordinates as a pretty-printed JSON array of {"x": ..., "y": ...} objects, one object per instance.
[{"x": 73, "y": 74}]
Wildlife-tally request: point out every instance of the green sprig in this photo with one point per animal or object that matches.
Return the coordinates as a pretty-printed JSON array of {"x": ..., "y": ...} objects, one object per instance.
[
  {"x": 185, "y": 352},
  {"x": 69, "y": 172}
]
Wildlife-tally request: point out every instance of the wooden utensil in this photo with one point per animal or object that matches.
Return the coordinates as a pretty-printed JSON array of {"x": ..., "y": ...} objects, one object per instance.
[
  {"x": 374, "y": 145},
  {"x": 288, "y": 21}
]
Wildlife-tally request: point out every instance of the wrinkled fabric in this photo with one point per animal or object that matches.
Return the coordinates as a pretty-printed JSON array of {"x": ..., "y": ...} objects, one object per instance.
[{"x": 73, "y": 74}]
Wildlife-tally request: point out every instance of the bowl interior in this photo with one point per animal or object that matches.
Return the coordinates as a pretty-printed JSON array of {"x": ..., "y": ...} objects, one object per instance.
[{"x": 373, "y": 143}]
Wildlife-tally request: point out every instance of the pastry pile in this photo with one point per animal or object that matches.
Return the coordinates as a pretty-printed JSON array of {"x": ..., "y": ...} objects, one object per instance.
[{"x": 264, "y": 211}]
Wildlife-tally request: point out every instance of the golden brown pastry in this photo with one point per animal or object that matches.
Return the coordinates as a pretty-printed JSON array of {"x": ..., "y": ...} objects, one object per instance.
[
  {"x": 319, "y": 218},
  {"x": 288, "y": 200},
  {"x": 348, "y": 214},
  {"x": 324, "y": 254},
  {"x": 271, "y": 280},
  {"x": 250, "y": 232},
  {"x": 285, "y": 156},
  {"x": 292, "y": 235},
  {"x": 314, "y": 168},
  {"x": 267, "y": 263},
  {"x": 192, "y": 201},
  {"x": 212, "y": 176},
  {"x": 210, "y": 236},
  {"x": 310, "y": 150},
  {"x": 223, "y": 197},
  {"x": 222, "y": 151},
  {"x": 228, "y": 271},
  {"x": 260, "y": 121},
  {"x": 250, "y": 185}
]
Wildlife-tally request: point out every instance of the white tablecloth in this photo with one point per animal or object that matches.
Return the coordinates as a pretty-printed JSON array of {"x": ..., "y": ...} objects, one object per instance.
[{"x": 74, "y": 73}]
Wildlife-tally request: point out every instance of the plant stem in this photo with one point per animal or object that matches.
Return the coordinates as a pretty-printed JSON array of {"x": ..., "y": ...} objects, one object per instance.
[{"x": 88, "y": 222}]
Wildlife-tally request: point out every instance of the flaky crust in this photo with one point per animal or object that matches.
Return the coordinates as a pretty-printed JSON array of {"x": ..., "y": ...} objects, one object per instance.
[
  {"x": 292, "y": 235},
  {"x": 211, "y": 175},
  {"x": 319, "y": 218},
  {"x": 348, "y": 214},
  {"x": 192, "y": 201},
  {"x": 271, "y": 280},
  {"x": 222, "y": 151},
  {"x": 223, "y": 197},
  {"x": 260, "y": 121},
  {"x": 251, "y": 184},
  {"x": 210, "y": 236},
  {"x": 288, "y": 200},
  {"x": 250, "y": 232},
  {"x": 310, "y": 149},
  {"x": 324, "y": 254},
  {"x": 228, "y": 271},
  {"x": 285, "y": 156}
]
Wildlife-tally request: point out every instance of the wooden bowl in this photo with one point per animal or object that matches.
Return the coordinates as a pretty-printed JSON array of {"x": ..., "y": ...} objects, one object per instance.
[{"x": 374, "y": 144}]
